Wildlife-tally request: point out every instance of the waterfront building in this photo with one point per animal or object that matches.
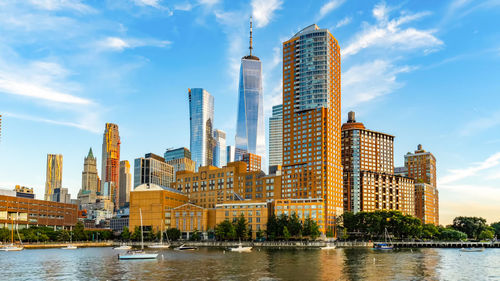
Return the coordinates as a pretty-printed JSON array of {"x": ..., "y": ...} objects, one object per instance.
[
  {"x": 256, "y": 214},
  {"x": 250, "y": 130},
  {"x": 253, "y": 161},
  {"x": 111, "y": 163},
  {"x": 201, "y": 119},
  {"x": 24, "y": 192},
  {"x": 312, "y": 165},
  {"x": 427, "y": 203},
  {"x": 276, "y": 136},
  {"x": 120, "y": 221},
  {"x": 189, "y": 218},
  {"x": 53, "y": 178},
  {"x": 421, "y": 167},
  {"x": 153, "y": 169},
  {"x": 27, "y": 212},
  {"x": 155, "y": 202},
  {"x": 369, "y": 180},
  {"x": 125, "y": 183},
  {"x": 211, "y": 185},
  {"x": 304, "y": 208},
  {"x": 90, "y": 178},
  {"x": 220, "y": 157}
]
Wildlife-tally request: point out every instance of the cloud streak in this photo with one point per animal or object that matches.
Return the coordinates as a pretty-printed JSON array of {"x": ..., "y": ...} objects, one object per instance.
[
  {"x": 57, "y": 5},
  {"x": 328, "y": 7},
  {"x": 460, "y": 174},
  {"x": 263, "y": 11},
  {"x": 120, "y": 44},
  {"x": 83, "y": 126}
]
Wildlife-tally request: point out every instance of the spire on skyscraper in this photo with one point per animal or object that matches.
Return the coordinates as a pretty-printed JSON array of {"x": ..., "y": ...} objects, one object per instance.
[
  {"x": 90, "y": 155},
  {"x": 250, "y": 36}
]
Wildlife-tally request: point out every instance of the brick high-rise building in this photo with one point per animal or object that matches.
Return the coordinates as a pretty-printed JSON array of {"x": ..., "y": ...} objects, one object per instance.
[
  {"x": 53, "y": 178},
  {"x": 369, "y": 180},
  {"x": 125, "y": 183},
  {"x": 421, "y": 167},
  {"x": 253, "y": 161},
  {"x": 312, "y": 165},
  {"x": 111, "y": 163}
]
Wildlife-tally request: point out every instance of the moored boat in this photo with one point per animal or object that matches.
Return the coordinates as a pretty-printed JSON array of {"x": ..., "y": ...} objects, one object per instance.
[
  {"x": 123, "y": 247},
  {"x": 138, "y": 254},
  {"x": 186, "y": 248},
  {"x": 471, "y": 250},
  {"x": 328, "y": 247},
  {"x": 241, "y": 249}
]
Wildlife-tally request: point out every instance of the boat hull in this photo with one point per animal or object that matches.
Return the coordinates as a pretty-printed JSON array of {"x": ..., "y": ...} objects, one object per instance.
[
  {"x": 241, "y": 249},
  {"x": 13, "y": 249},
  {"x": 138, "y": 257}
]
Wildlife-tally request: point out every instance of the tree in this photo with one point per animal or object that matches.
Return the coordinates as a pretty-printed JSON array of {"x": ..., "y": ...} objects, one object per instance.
[
  {"x": 286, "y": 233},
  {"x": 173, "y": 234},
  {"x": 496, "y": 228},
  {"x": 125, "y": 234},
  {"x": 259, "y": 234},
  {"x": 272, "y": 228},
  {"x": 63, "y": 235},
  {"x": 472, "y": 226},
  {"x": 195, "y": 236},
  {"x": 225, "y": 231},
  {"x": 241, "y": 228},
  {"x": 329, "y": 232},
  {"x": 78, "y": 232},
  {"x": 4, "y": 234},
  {"x": 136, "y": 235},
  {"x": 486, "y": 235},
  {"x": 294, "y": 226},
  {"x": 450, "y": 234}
]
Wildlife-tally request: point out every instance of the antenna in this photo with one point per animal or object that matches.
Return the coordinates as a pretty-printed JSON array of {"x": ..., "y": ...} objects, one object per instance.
[{"x": 251, "y": 36}]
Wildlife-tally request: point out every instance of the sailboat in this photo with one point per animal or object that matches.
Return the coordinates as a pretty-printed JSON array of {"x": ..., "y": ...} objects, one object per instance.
[
  {"x": 160, "y": 245},
  {"x": 123, "y": 247},
  {"x": 12, "y": 247},
  {"x": 70, "y": 245},
  {"x": 329, "y": 246},
  {"x": 386, "y": 245},
  {"x": 241, "y": 249},
  {"x": 139, "y": 254}
]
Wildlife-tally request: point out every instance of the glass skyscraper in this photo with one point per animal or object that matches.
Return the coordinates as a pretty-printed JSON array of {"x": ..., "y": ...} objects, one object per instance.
[
  {"x": 201, "y": 118},
  {"x": 220, "y": 149},
  {"x": 276, "y": 136},
  {"x": 250, "y": 130}
]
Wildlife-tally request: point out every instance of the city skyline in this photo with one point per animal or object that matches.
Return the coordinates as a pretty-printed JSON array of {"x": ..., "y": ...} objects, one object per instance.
[{"x": 397, "y": 101}]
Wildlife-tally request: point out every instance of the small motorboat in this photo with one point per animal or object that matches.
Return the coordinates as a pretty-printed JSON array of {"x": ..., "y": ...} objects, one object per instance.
[
  {"x": 159, "y": 246},
  {"x": 382, "y": 246},
  {"x": 70, "y": 247},
  {"x": 137, "y": 255},
  {"x": 123, "y": 247},
  {"x": 471, "y": 250},
  {"x": 329, "y": 247},
  {"x": 186, "y": 248},
  {"x": 11, "y": 248},
  {"x": 241, "y": 249}
]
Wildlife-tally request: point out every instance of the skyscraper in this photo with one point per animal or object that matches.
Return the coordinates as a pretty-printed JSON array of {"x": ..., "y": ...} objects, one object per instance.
[
  {"x": 312, "y": 165},
  {"x": 111, "y": 163},
  {"x": 220, "y": 153},
  {"x": 201, "y": 119},
  {"x": 125, "y": 183},
  {"x": 53, "y": 178},
  {"x": 152, "y": 169},
  {"x": 250, "y": 130},
  {"x": 276, "y": 136},
  {"x": 369, "y": 180},
  {"x": 421, "y": 166},
  {"x": 90, "y": 179},
  {"x": 180, "y": 159}
]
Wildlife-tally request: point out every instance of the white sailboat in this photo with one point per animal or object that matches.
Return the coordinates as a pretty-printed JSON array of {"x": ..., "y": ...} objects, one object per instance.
[
  {"x": 241, "y": 249},
  {"x": 140, "y": 254},
  {"x": 386, "y": 245},
  {"x": 329, "y": 246},
  {"x": 11, "y": 247},
  {"x": 70, "y": 246},
  {"x": 123, "y": 247}
]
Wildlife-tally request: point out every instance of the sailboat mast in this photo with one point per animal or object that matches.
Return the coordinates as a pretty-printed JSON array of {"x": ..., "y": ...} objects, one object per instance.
[
  {"x": 142, "y": 236},
  {"x": 12, "y": 234}
]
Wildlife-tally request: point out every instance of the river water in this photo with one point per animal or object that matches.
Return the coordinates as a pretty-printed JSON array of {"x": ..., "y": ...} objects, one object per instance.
[{"x": 217, "y": 264}]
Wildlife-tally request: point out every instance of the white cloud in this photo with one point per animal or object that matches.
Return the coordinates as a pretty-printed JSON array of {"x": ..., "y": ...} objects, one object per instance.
[
  {"x": 87, "y": 126},
  {"x": 344, "y": 21},
  {"x": 481, "y": 124},
  {"x": 56, "y": 5},
  {"x": 151, "y": 3},
  {"x": 329, "y": 7},
  {"x": 120, "y": 44},
  {"x": 390, "y": 34},
  {"x": 367, "y": 81},
  {"x": 460, "y": 174},
  {"x": 263, "y": 10},
  {"x": 208, "y": 2},
  {"x": 183, "y": 7}
]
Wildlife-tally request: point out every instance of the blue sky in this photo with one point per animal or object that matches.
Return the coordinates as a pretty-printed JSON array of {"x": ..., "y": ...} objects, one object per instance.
[{"x": 425, "y": 71}]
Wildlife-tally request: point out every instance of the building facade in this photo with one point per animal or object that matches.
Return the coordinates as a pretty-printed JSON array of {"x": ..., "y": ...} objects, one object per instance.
[
  {"x": 253, "y": 162},
  {"x": 189, "y": 218},
  {"x": 180, "y": 159},
  {"x": 313, "y": 208},
  {"x": 220, "y": 157},
  {"x": 250, "y": 130},
  {"x": 177, "y": 153},
  {"x": 153, "y": 169},
  {"x": 90, "y": 179},
  {"x": 201, "y": 119},
  {"x": 110, "y": 172},
  {"x": 125, "y": 183},
  {"x": 155, "y": 203},
  {"x": 26, "y": 212},
  {"x": 24, "y": 192},
  {"x": 421, "y": 167},
  {"x": 54, "y": 175},
  {"x": 256, "y": 214},
  {"x": 312, "y": 165},
  {"x": 276, "y": 136}
]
